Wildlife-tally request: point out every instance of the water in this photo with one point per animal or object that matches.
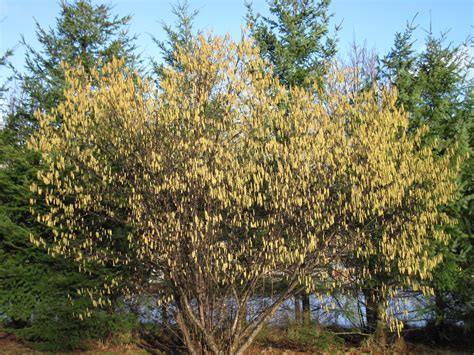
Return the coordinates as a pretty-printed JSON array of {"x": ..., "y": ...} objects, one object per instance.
[{"x": 341, "y": 311}]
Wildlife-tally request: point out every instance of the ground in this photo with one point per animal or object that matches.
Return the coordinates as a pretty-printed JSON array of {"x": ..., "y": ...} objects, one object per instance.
[{"x": 10, "y": 346}]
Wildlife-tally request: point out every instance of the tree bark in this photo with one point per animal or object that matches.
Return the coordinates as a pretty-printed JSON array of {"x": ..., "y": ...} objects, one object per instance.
[
  {"x": 297, "y": 309},
  {"x": 440, "y": 314},
  {"x": 164, "y": 314},
  {"x": 375, "y": 321},
  {"x": 188, "y": 341},
  {"x": 306, "y": 308}
]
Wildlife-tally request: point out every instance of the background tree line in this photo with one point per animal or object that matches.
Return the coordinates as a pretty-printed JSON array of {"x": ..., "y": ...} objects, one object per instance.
[{"x": 433, "y": 86}]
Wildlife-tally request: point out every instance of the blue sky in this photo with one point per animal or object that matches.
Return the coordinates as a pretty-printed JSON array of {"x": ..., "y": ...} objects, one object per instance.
[{"x": 375, "y": 21}]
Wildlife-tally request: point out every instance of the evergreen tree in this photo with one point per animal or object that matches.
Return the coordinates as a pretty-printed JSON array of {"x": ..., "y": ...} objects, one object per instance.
[
  {"x": 296, "y": 39},
  {"x": 443, "y": 85},
  {"x": 4, "y": 63},
  {"x": 181, "y": 34},
  {"x": 435, "y": 89},
  {"x": 85, "y": 33},
  {"x": 34, "y": 285},
  {"x": 446, "y": 107},
  {"x": 398, "y": 69}
]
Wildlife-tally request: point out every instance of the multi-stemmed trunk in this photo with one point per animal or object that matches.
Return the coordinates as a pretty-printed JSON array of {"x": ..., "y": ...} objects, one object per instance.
[
  {"x": 302, "y": 308},
  {"x": 202, "y": 336}
]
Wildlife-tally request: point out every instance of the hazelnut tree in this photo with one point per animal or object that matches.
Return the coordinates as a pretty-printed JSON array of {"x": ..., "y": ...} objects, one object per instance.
[{"x": 229, "y": 183}]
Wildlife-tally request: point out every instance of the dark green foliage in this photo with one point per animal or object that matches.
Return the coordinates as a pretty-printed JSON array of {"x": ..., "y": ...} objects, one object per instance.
[
  {"x": 435, "y": 88},
  {"x": 295, "y": 39},
  {"x": 179, "y": 35},
  {"x": 443, "y": 84},
  {"x": 61, "y": 331},
  {"x": 454, "y": 278},
  {"x": 4, "y": 57},
  {"x": 4, "y": 63},
  {"x": 35, "y": 287},
  {"x": 399, "y": 67},
  {"x": 84, "y": 33}
]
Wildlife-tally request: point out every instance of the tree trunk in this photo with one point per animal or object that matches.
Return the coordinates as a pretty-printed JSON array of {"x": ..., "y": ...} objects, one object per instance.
[
  {"x": 375, "y": 321},
  {"x": 164, "y": 314},
  {"x": 306, "y": 308},
  {"x": 244, "y": 311},
  {"x": 297, "y": 309},
  {"x": 188, "y": 341},
  {"x": 440, "y": 313}
]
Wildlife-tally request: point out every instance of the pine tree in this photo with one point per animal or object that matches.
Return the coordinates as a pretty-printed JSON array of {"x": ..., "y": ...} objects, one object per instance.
[
  {"x": 4, "y": 63},
  {"x": 296, "y": 39},
  {"x": 181, "y": 35},
  {"x": 85, "y": 33},
  {"x": 35, "y": 285},
  {"x": 398, "y": 69},
  {"x": 435, "y": 89},
  {"x": 446, "y": 107}
]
